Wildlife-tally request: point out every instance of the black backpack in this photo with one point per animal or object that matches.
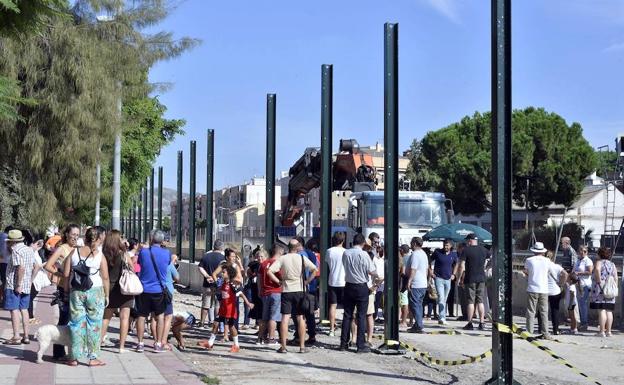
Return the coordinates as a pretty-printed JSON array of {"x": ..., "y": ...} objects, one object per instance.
[{"x": 81, "y": 278}]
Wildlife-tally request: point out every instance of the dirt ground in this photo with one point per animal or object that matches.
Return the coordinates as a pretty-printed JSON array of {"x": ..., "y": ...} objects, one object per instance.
[{"x": 600, "y": 358}]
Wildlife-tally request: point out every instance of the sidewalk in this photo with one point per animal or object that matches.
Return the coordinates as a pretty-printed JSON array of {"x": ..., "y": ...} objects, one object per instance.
[{"x": 17, "y": 363}]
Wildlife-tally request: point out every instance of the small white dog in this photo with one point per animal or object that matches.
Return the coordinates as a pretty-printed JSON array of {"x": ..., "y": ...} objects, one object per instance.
[{"x": 51, "y": 334}]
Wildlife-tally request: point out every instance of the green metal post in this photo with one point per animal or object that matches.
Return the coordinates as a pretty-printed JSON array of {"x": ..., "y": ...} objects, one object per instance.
[
  {"x": 209, "y": 190},
  {"x": 151, "y": 199},
  {"x": 502, "y": 343},
  {"x": 160, "y": 196},
  {"x": 140, "y": 219},
  {"x": 269, "y": 214},
  {"x": 391, "y": 185},
  {"x": 145, "y": 217},
  {"x": 192, "y": 203},
  {"x": 327, "y": 79},
  {"x": 134, "y": 218},
  {"x": 179, "y": 208}
]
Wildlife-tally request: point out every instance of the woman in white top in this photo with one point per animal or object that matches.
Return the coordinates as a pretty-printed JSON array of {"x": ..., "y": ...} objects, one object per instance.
[
  {"x": 87, "y": 302},
  {"x": 583, "y": 270}
]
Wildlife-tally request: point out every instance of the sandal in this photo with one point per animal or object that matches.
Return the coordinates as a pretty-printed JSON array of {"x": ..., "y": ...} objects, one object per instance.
[
  {"x": 181, "y": 348},
  {"x": 96, "y": 362},
  {"x": 13, "y": 341},
  {"x": 282, "y": 350},
  {"x": 71, "y": 363},
  {"x": 304, "y": 350}
]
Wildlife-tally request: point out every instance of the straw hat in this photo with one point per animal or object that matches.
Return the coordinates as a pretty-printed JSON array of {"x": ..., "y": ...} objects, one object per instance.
[{"x": 15, "y": 236}]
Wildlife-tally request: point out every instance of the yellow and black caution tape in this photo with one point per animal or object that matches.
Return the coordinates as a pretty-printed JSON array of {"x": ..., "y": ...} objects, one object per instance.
[
  {"x": 515, "y": 329},
  {"x": 429, "y": 358}
]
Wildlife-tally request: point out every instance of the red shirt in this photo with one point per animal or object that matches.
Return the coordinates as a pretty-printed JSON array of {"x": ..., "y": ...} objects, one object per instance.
[
  {"x": 268, "y": 287},
  {"x": 228, "y": 301}
]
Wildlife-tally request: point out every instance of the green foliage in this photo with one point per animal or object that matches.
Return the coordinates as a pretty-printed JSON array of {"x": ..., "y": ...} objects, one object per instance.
[
  {"x": 166, "y": 224},
  {"x": 548, "y": 235},
  {"x": 76, "y": 70},
  {"x": 19, "y": 17},
  {"x": 456, "y": 160},
  {"x": 605, "y": 163}
]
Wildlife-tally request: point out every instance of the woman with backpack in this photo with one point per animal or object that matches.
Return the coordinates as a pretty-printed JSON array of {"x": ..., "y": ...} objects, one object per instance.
[
  {"x": 86, "y": 278},
  {"x": 604, "y": 290}
]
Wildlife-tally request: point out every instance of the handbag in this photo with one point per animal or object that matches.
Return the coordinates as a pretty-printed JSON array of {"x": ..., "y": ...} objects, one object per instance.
[
  {"x": 308, "y": 302},
  {"x": 610, "y": 288},
  {"x": 431, "y": 290},
  {"x": 167, "y": 296},
  {"x": 129, "y": 282}
]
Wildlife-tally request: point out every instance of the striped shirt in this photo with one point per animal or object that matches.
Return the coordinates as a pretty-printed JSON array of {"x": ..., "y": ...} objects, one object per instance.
[{"x": 21, "y": 255}]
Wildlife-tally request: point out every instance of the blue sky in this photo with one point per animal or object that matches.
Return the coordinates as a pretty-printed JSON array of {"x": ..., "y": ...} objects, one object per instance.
[{"x": 568, "y": 57}]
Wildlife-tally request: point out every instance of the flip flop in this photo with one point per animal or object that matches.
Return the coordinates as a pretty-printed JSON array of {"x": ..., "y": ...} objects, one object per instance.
[
  {"x": 282, "y": 350},
  {"x": 304, "y": 350},
  {"x": 13, "y": 341},
  {"x": 96, "y": 363}
]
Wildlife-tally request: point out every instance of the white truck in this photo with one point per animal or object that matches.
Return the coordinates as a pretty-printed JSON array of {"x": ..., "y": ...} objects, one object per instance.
[{"x": 419, "y": 212}]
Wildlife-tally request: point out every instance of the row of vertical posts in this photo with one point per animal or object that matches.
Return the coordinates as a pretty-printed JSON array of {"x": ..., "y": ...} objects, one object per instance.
[{"x": 502, "y": 365}]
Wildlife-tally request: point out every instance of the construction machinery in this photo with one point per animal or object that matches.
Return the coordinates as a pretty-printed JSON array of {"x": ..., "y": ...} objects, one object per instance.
[{"x": 355, "y": 180}]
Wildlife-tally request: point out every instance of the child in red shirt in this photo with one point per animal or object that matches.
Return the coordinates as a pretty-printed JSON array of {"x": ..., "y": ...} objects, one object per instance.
[{"x": 227, "y": 310}]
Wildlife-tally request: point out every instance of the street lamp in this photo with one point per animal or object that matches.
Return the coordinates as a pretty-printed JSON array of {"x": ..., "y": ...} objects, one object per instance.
[{"x": 116, "y": 154}]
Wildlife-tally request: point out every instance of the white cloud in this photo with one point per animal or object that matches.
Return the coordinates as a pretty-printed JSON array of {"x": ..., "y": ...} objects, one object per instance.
[
  {"x": 448, "y": 8},
  {"x": 615, "y": 47}
]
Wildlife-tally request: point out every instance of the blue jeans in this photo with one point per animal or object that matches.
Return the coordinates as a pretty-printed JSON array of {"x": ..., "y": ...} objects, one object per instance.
[
  {"x": 583, "y": 302},
  {"x": 443, "y": 287},
  {"x": 416, "y": 297}
]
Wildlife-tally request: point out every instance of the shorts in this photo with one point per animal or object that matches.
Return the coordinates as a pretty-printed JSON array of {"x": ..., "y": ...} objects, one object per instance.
[
  {"x": 169, "y": 309},
  {"x": 227, "y": 321},
  {"x": 335, "y": 294},
  {"x": 474, "y": 293},
  {"x": 208, "y": 297},
  {"x": 14, "y": 301},
  {"x": 291, "y": 303},
  {"x": 190, "y": 320},
  {"x": 271, "y": 307},
  {"x": 599, "y": 306},
  {"x": 403, "y": 299},
  {"x": 147, "y": 303}
]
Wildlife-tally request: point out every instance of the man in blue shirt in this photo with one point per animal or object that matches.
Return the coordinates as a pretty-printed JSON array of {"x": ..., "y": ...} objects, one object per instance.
[
  {"x": 444, "y": 261},
  {"x": 154, "y": 262}
]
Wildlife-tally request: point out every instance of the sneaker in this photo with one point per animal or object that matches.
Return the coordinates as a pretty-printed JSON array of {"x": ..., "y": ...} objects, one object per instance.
[
  {"x": 158, "y": 348},
  {"x": 468, "y": 326},
  {"x": 273, "y": 342},
  {"x": 332, "y": 333},
  {"x": 140, "y": 347},
  {"x": 244, "y": 327},
  {"x": 442, "y": 322},
  {"x": 415, "y": 329},
  {"x": 343, "y": 348},
  {"x": 573, "y": 331},
  {"x": 259, "y": 341},
  {"x": 481, "y": 326},
  {"x": 310, "y": 342},
  {"x": 235, "y": 349}
]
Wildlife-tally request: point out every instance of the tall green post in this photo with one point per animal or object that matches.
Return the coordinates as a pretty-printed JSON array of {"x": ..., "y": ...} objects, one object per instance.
[
  {"x": 192, "y": 172},
  {"x": 145, "y": 217},
  {"x": 160, "y": 196},
  {"x": 140, "y": 217},
  {"x": 502, "y": 343},
  {"x": 391, "y": 186},
  {"x": 327, "y": 79},
  {"x": 269, "y": 214},
  {"x": 179, "y": 208},
  {"x": 151, "y": 198},
  {"x": 209, "y": 190},
  {"x": 134, "y": 218}
]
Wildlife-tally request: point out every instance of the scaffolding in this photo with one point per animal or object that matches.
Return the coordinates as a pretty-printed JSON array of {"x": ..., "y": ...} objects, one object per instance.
[{"x": 613, "y": 179}]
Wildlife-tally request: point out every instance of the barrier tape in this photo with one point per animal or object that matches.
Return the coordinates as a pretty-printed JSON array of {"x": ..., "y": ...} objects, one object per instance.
[
  {"x": 428, "y": 357},
  {"x": 517, "y": 330}
]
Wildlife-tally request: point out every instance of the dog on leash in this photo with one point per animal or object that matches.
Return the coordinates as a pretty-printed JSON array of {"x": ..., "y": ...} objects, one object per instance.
[{"x": 51, "y": 334}]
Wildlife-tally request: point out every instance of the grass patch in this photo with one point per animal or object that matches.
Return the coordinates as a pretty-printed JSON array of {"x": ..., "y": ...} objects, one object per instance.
[{"x": 210, "y": 380}]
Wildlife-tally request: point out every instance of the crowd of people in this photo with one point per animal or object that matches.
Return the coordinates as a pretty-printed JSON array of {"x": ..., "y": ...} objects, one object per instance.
[{"x": 92, "y": 273}]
